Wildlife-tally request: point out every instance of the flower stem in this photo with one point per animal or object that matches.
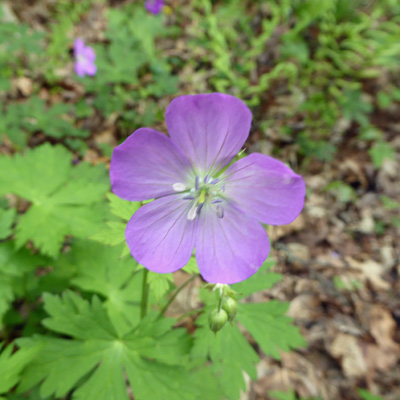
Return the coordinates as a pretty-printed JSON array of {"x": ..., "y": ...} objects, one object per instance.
[
  {"x": 220, "y": 301},
  {"x": 173, "y": 297},
  {"x": 145, "y": 294}
]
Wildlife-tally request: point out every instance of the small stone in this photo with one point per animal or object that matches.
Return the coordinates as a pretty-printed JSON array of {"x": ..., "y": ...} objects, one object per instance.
[
  {"x": 24, "y": 85},
  {"x": 367, "y": 223},
  {"x": 304, "y": 307},
  {"x": 347, "y": 348},
  {"x": 298, "y": 254}
]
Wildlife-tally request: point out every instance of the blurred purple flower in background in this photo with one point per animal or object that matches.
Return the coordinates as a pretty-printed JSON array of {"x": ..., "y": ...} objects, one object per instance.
[
  {"x": 197, "y": 203},
  {"x": 85, "y": 57},
  {"x": 154, "y": 6}
]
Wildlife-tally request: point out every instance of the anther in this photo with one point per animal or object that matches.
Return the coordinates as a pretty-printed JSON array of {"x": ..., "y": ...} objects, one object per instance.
[
  {"x": 220, "y": 211},
  {"x": 214, "y": 181},
  {"x": 192, "y": 212},
  {"x": 179, "y": 187},
  {"x": 199, "y": 208},
  {"x": 196, "y": 182}
]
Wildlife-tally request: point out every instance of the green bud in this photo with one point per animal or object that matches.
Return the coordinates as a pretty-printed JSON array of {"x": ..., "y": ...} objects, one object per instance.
[
  {"x": 217, "y": 319},
  {"x": 229, "y": 305}
]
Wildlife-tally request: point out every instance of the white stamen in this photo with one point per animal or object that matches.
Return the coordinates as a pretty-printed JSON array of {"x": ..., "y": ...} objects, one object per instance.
[
  {"x": 219, "y": 210},
  {"x": 179, "y": 187},
  {"x": 192, "y": 212}
]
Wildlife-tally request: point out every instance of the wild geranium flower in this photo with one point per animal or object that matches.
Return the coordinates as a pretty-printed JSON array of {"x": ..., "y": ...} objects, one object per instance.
[
  {"x": 154, "y": 6},
  {"x": 199, "y": 204},
  {"x": 85, "y": 59}
]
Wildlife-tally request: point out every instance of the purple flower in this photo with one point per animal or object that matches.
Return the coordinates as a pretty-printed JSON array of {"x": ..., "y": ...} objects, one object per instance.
[
  {"x": 85, "y": 58},
  {"x": 199, "y": 204},
  {"x": 154, "y": 6}
]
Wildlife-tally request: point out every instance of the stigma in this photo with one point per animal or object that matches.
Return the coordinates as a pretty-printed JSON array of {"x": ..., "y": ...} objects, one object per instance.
[{"x": 204, "y": 194}]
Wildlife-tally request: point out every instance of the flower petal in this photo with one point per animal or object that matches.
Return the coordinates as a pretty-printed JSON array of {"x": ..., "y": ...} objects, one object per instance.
[
  {"x": 90, "y": 68},
  {"x": 266, "y": 188},
  {"x": 160, "y": 236},
  {"x": 79, "y": 45},
  {"x": 80, "y": 68},
  {"x": 146, "y": 165},
  {"x": 229, "y": 249},
  {"x": 209, "y": 128},
  {"x": 154, "y": 6},
  {"x": 88, "y": 53}
]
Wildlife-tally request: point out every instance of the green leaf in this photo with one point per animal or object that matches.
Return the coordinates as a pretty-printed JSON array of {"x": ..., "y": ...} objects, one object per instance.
[
  {"x": 230, "y": 353},
  {"x": 278, "y": 395},
  {"x": 98, "y": 270},
  {"x": 18, "y": 40},
  {"x": 355, "y": 107},
  {"x": 396, "y": 222},
  {"x": 261, "y": 280},
  {"x": 384, "y": 100},
  {"x": 33, "y": 116},
  {"x": 341, "y": 284},
  {"x": 52, "y": 120},
  {"x": 122, "y": 208},
  {"x": 320, "y": 149},
  {"x": 370, "y": 132},
  {"x": 290, "y": 395},
  {"x": 191, "y": 267},
  {"x": 96, "y": 362},
  {"x": 268, "y": 325},
  {"x": 7, "y": 218},
  {"x": 13, "y": 266},
  {"x": 11, "y": 124},
  {"x": 344, "y": 192},
  {"x": 35, "y": 175},
  {"x": 388, "y": 203},
  {"x": 366, "y": 395},
  {"x": 380, "y": 152},
  {"x": 160, "y": 284},
  {"x": 266, "y": 322},
  {"x": 65, "y": 200},
  {"x": 11, "y": 365},
  {"x": 114, "y": 232}
]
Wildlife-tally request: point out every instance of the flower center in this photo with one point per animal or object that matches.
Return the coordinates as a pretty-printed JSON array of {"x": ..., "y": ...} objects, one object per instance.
[
  {"x": 206, "y": 192},
  {"x": 81, "y": 58}
]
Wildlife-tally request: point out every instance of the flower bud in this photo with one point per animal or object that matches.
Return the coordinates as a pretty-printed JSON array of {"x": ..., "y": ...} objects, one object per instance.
[
  {"x": 229, "y": 305},
  {"x": 217, "y": 319}
]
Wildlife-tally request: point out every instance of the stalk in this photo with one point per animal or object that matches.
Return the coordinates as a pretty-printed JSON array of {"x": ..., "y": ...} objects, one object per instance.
[
  {"x": 173, "y": 297},
  {"x": 145, "y": 294}
]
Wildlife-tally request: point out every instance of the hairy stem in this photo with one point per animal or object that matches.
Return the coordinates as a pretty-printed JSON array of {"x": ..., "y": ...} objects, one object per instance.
[
  {"x": 220, "y": 301},
  {"x": 173, "y": 297},
  {"x": 145, "y": 294}
]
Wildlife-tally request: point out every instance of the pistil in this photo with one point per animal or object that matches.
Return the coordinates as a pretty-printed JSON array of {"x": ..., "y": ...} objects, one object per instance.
[{"x": 205, "y": 191}]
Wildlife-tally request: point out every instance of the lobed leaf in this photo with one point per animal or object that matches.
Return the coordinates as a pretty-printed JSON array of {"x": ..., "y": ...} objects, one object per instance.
[
  {"x": 98, "y": 270},
  {"x": 97, "y": 363},
  {"x": 13, "y": 266},
  {"x": 7, "y": 218},
  {"x": 12, "y": 364},
  {"x": 263, "y": 279},
  {"x": 230, "y": 353},
  {"x": 65, "y": 200},
  {"x": 268, "y": 325}
]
